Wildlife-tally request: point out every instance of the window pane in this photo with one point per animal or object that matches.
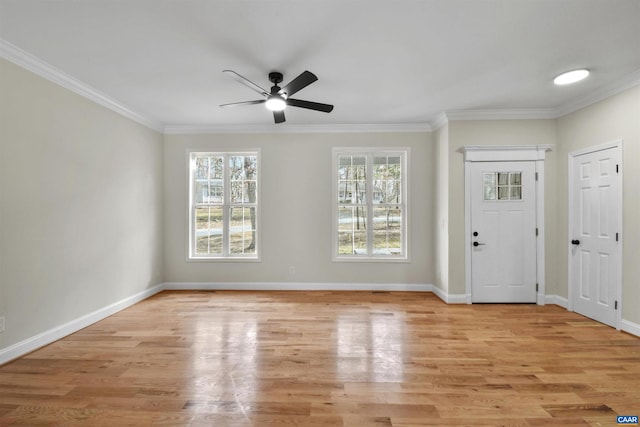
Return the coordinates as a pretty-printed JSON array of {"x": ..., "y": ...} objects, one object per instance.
[
  {"x": 238, "y": 193},
  {"x": 208, "y": 191},
  {"x": 490, "y": 178},
  {"x": 503, "y": 193},
  {"x": 515, "y": 178},
  {"x": 344, "y": 192},
  {"x": 352, "y": 230},
  {"x": 503, "y": 178},
  {"x": 352, "y": 191},
  {"x": 202, "y": 168},
  {"x": 208, "y": 179},
  {"x": 242, "y": 176},
  {"x": 208, "y": 232},
  {"x": 387, "y": 227},
  {"x": 387, "y": 179},
  {"x": 489, "y": 192},
  {"x": 242, "y": 230},
  {"x": 352, "y": 167},
  {"x": 387, "y": 191},
  {"x": 352, "y": 176},
  {"x": 516, "y": 193}
]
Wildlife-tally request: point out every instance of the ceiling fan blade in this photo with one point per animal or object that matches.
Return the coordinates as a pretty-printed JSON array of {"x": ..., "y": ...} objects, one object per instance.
[
  {"x": 245, "y": 81},
  {"x": 278, "y": 116},
  {"x": 300, "y": 82},
  {"x": 239, "y": 104},
  {"x": 326, "y": 108}
]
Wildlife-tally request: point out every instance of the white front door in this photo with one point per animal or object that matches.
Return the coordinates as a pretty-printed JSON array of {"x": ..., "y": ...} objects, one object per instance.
[
  {"x": 594, "y": 257},
  {"x": 503, "y": 227}
]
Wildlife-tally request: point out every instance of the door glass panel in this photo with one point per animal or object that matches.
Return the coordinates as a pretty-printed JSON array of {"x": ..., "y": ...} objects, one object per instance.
[
  {"x": 503, "y": 193},
  {"x": 489, "y": 192},
  {"x": 490, "y": 178},
  {"x": 502, "y": 185},
  {"x": 515, "y": 178}
]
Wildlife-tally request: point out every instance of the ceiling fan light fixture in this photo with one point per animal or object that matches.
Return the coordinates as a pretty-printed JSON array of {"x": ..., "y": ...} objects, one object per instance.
[
  {"x": 276, "y": 103},
  {"x": 572, "y": 76}
]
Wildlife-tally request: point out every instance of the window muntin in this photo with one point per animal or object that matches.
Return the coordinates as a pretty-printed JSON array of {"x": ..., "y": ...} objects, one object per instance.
[
  {"x": 370, "y": 188},
  {"x": 223, "y": 214}
]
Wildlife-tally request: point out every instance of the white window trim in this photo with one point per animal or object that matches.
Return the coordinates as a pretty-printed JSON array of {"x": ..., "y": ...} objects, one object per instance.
[
  {"x": 190, "y": 257},
  {"x": 405, "y": 153}
]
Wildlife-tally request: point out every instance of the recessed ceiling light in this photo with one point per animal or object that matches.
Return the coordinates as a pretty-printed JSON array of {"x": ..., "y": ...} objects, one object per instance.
[{"x": 571, "y": 77}]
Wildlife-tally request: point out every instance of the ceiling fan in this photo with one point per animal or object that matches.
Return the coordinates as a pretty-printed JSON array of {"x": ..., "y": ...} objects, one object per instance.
[{"x": 278, "y": 98}]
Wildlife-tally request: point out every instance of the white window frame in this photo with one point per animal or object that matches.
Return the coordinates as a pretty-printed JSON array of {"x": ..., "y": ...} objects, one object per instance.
[
  {"x": 370, "y": 153},
  {"x": 226, "y": 205}
]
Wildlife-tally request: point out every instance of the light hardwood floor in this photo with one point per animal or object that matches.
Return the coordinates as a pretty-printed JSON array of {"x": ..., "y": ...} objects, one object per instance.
[{"x": 327, "y": 359}]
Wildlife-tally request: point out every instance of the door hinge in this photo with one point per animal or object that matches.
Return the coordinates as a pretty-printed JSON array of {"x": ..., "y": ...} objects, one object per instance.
[
  {"x": 536, "y": 231},
  {"x": 615, "y": 305},
  {"x": 617, "y": 169},
  {"x": 616, "y": 237},
  {"x": 536, "y": 287},
  {"x": 536, "y": 176}
]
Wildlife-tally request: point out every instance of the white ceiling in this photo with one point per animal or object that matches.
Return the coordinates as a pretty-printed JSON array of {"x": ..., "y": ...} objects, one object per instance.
[{"x": 380, "y": 62}]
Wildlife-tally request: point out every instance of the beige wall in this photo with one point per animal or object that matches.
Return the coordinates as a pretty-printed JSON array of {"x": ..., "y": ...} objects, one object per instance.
[
  {"x": 496, "y": 132},
  {"x": 441, "y": 227},
  {"x": 296, "y": 210},
  {"x": 615, "y": 118},
  {"x": 80, "y": 206}
]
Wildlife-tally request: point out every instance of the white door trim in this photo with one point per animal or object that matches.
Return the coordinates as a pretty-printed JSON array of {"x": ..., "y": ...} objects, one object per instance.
[
  {"x": 619, "y": 200},
  {"x": 506, "y": 153}
]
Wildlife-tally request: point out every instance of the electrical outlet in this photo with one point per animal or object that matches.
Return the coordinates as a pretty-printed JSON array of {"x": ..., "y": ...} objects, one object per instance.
[
  {"x": 2, "y": 324},
  {"x": 292, "y": 270}
]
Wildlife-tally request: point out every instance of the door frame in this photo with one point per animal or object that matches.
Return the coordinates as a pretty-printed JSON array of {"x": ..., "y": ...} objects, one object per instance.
[
  {"x": 507, "y": 153},
  {"x": 570, "y": 211}
]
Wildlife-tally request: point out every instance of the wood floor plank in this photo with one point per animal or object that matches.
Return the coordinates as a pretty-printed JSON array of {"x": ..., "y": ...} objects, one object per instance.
[{"x": 325, "y": 358}]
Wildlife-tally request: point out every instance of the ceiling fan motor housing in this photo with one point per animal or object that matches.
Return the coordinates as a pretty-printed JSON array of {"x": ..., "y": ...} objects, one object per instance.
[{"x": 275, "y": 77}]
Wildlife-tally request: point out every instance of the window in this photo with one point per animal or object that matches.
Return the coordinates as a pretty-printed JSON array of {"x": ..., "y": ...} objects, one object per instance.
[
  {"x": 223, "y": 205},
  {"x": 502, "y": 185},
  {"x": 370, "y": 204}
]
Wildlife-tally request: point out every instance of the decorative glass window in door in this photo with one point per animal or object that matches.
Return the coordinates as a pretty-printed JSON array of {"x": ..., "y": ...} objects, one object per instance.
[{"x": 502, "y": 185}]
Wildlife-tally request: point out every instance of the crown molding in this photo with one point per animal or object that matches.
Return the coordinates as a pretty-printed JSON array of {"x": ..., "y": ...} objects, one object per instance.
[
  {"x": 293, "y": 128},
  {"x": 627, "y": 82},
  {"x": 43, "y": 69},
  {"x": 439, "y": 121},
  {"x": 501, "y": 114}
]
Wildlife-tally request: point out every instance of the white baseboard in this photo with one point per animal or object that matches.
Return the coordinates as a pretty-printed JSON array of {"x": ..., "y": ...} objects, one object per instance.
[
  {"x": 557, "y": 300},
  {"x": 452, "y": 298},
  {"x": 630, "y": 327},
  {"x": 292, "y": 286},
  {"x": 30, "y": 344},
  {"x": 295, "y": 286},
  {"x": 625, "y": 325}
]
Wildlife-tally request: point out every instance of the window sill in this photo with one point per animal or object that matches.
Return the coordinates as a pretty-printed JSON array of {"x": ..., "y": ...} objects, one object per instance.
[
  {"x": 371, "y": 259},
  {"x": 225, "y": 259}
]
